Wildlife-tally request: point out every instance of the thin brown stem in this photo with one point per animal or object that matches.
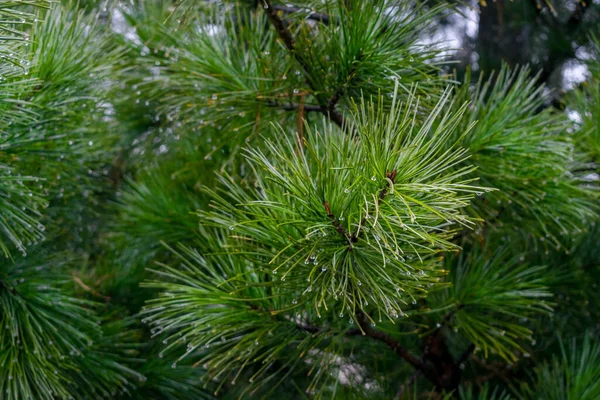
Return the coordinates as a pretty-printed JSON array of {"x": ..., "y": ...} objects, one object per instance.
[{"x": 337, "y": 225}]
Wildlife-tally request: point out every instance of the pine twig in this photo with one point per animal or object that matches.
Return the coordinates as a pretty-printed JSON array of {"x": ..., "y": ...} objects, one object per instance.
[{"x": 338, "y": 227}]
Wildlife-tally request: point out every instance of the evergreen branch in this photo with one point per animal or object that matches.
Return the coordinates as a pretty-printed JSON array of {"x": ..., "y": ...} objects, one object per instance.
[
  {"x": 282, "y": 29},
  {"x": 315, "y": 16},
  {"x": 490, "y": 289}
]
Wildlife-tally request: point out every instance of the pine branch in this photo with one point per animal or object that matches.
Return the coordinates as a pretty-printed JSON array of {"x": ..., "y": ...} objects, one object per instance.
[{"x": 282, "y": 29}]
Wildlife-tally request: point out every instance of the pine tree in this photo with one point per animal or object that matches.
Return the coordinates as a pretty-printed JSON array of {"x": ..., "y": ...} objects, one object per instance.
[{"x": 258, "y": 199}]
